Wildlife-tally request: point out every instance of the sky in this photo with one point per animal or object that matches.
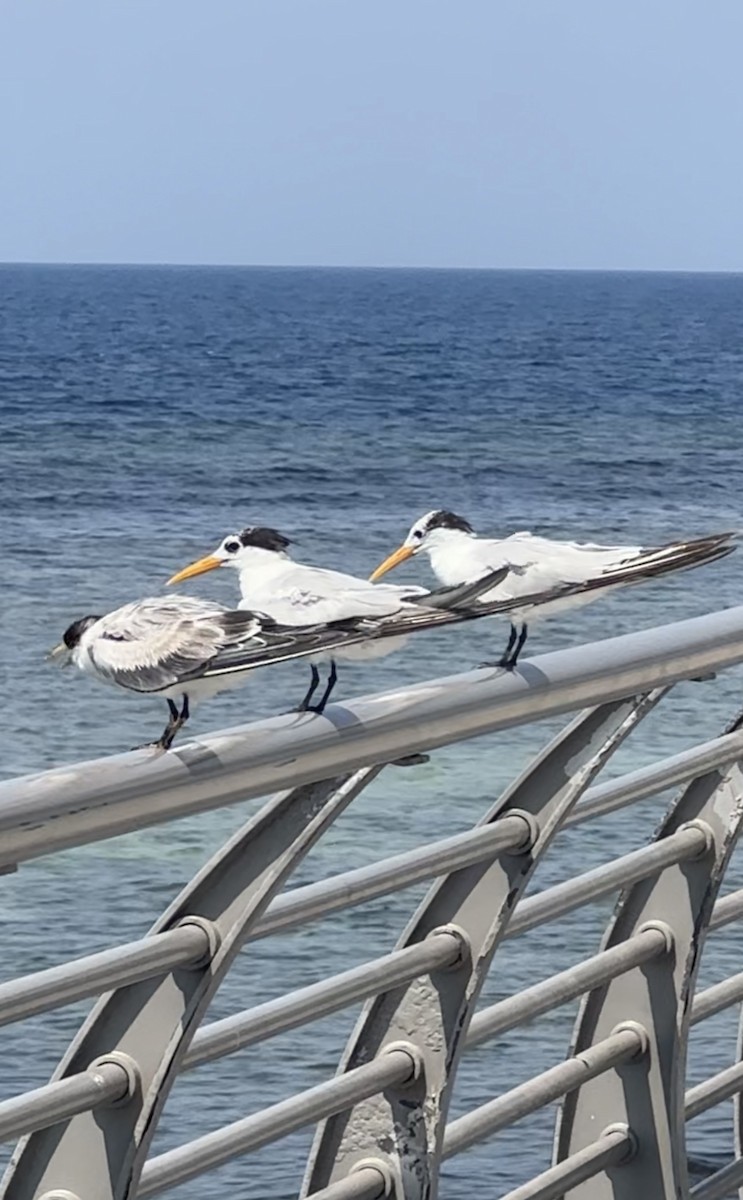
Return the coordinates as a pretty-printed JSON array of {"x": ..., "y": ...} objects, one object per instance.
[{"x": 588, "y": 134}]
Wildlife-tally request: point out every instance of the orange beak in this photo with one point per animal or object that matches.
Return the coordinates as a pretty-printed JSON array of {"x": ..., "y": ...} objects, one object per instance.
[
  {"x": 394, "y": 560},
  {"x": 197, "y": 568}
]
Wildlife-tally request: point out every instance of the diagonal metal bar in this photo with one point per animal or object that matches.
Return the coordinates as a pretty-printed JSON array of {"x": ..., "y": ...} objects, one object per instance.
[
  {"x": 593, "y": 885},
  {"x": 147, "y": 1026},
  {"x": 669, "y": 772},
  {"x": 89, "y": 976},
  {"x": 721, "y": 1185},
  {"x": 315, "y": 900},
  {"x": 390, "y": 1069},
  {"x": 621, "y": 1047},
  {"x": 405, "y": 1128},
  {"x": 716, "y": 998},
  {"x": 567, "y": 985},
  {"x": 713, "y": 1091},
  {"x": 320, "y": 999}
]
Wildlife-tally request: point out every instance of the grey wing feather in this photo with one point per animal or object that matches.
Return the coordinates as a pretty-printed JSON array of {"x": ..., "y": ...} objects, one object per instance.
[{"x": 154, "y": 644}]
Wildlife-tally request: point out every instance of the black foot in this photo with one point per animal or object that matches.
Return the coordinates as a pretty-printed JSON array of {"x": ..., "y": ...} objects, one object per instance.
[
  {"x": 510, "y": 655},
  {"x": 411, "y": 760},
  {"x": 158, "y": 745}
]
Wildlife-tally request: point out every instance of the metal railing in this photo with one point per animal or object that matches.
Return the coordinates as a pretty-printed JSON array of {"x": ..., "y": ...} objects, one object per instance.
[{"x": 382, "y": 1122}]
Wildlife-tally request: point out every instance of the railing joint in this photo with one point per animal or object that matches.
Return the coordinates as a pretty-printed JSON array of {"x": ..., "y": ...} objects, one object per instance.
[
  {"x": 706, "y": 831},
  {"x": 627, "y": 1132},
  {"x": 531, "y": 832},
  {"x": 463, "y": 952},
  {"x": 383, "y": 1169},
  {"x": 212, "y": 942},
  {"x": 661, "y": 927},
  {"x": 417, "y": 1065},
  {"x": 131, "y": 1073},
  {"x": 641, "y": 1034}
]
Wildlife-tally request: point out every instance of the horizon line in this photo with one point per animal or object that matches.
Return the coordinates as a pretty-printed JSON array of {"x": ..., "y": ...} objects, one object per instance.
[{"x": 237, "y": 266}]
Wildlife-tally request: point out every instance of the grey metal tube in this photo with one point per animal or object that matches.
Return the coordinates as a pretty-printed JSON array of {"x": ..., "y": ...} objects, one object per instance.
[
  {"x": 96, "y": 973},
  {"x": 720, "y": 1185},
  {"x": 319, "y": 999},
  {"x": 231, "y": 1034},
  {"x": 592, "y": 885},
  {"x": 609, "y": 1151},
  {"x": 607, "y": 797},
  {"x": 482, "y": 1122},
  {"x": 315, "y": 900},
  {"x": 85, "y": 802},
  {"x": 727, "y": 910},
  {"x": 194, "y": 1158},
  {"x": 716, "y": 998},
  {"x": 64, "y": 1098},
  {"x": 304, "y": 904},
  {"x": 713, "y": 1091},
  {"x": 567, "y": 985}
]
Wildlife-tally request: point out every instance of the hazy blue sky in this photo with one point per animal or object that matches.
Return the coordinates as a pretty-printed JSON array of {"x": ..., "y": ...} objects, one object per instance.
[{"x": 534, "y": 133}]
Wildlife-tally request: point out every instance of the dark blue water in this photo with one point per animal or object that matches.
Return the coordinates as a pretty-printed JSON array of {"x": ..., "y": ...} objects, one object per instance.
[{"x": 147, "y": 412}]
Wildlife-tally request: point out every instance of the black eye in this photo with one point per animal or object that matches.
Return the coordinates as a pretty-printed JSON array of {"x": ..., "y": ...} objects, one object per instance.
[
  {"x": 418, "y": 533},
  {"x": 232, "y": 547}
]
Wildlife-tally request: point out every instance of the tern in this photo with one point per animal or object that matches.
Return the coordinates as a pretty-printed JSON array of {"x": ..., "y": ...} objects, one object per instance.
[
  {"x": 185, "y": 649},
  {"x": 576, "y": 573},
  {"x": 298, "y": 595}
]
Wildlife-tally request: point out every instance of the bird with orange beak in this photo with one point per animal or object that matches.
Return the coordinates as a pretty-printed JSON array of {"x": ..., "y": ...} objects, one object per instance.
[
  {"x": 296, "y": 594},
  {"x": 581, "y": 571}
]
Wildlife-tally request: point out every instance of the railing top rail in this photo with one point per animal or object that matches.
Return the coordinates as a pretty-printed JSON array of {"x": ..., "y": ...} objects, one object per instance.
[{"x": 86, "y": 802}]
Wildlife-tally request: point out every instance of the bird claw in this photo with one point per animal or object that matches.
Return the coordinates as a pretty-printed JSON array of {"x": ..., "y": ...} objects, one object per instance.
[{"x": 157, "y": 746}]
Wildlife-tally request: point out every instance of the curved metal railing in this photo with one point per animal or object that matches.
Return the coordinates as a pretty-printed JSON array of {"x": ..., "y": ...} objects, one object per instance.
[{"x": 382, "y": 1122}]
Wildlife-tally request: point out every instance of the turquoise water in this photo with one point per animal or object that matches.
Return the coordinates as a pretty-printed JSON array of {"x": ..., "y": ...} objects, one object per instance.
[{"x": 147, "y": 412}]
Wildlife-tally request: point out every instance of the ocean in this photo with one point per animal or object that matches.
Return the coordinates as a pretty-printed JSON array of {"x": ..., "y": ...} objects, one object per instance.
[{"x": 146, "y": 412}]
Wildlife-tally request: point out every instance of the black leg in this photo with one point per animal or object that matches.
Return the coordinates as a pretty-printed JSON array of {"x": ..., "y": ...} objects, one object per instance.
[
  {"x": 176, "y": 721},
  {"x": 332, "y": 678},
  {"x": 505, "y": 658},
  {"x": 315, "y": 679},
  {"x": 512, "y": 639},
  {"x": 519, "y": 647}
]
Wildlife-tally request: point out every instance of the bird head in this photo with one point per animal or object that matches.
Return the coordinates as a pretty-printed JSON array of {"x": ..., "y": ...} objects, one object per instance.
[
  {"x": 430, "y": 532},
  {"x": 62, "y": 654},
  {"x": 239, "y": 550}
]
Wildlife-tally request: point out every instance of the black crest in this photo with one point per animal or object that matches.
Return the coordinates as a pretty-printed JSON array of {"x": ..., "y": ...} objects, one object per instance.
[
  {"x": 73, "y": 633},
  {"x": 263, "y": 538},
  {"x": 447, "y": 520}
]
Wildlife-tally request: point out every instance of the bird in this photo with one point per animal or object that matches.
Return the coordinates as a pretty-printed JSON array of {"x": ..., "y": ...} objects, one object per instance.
[
  {"x": 298, "y": 595},
  {"x": 173, "y": 647},
  {"x": 186, "y": 649},
  {"x": 558, "y": 575}
]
